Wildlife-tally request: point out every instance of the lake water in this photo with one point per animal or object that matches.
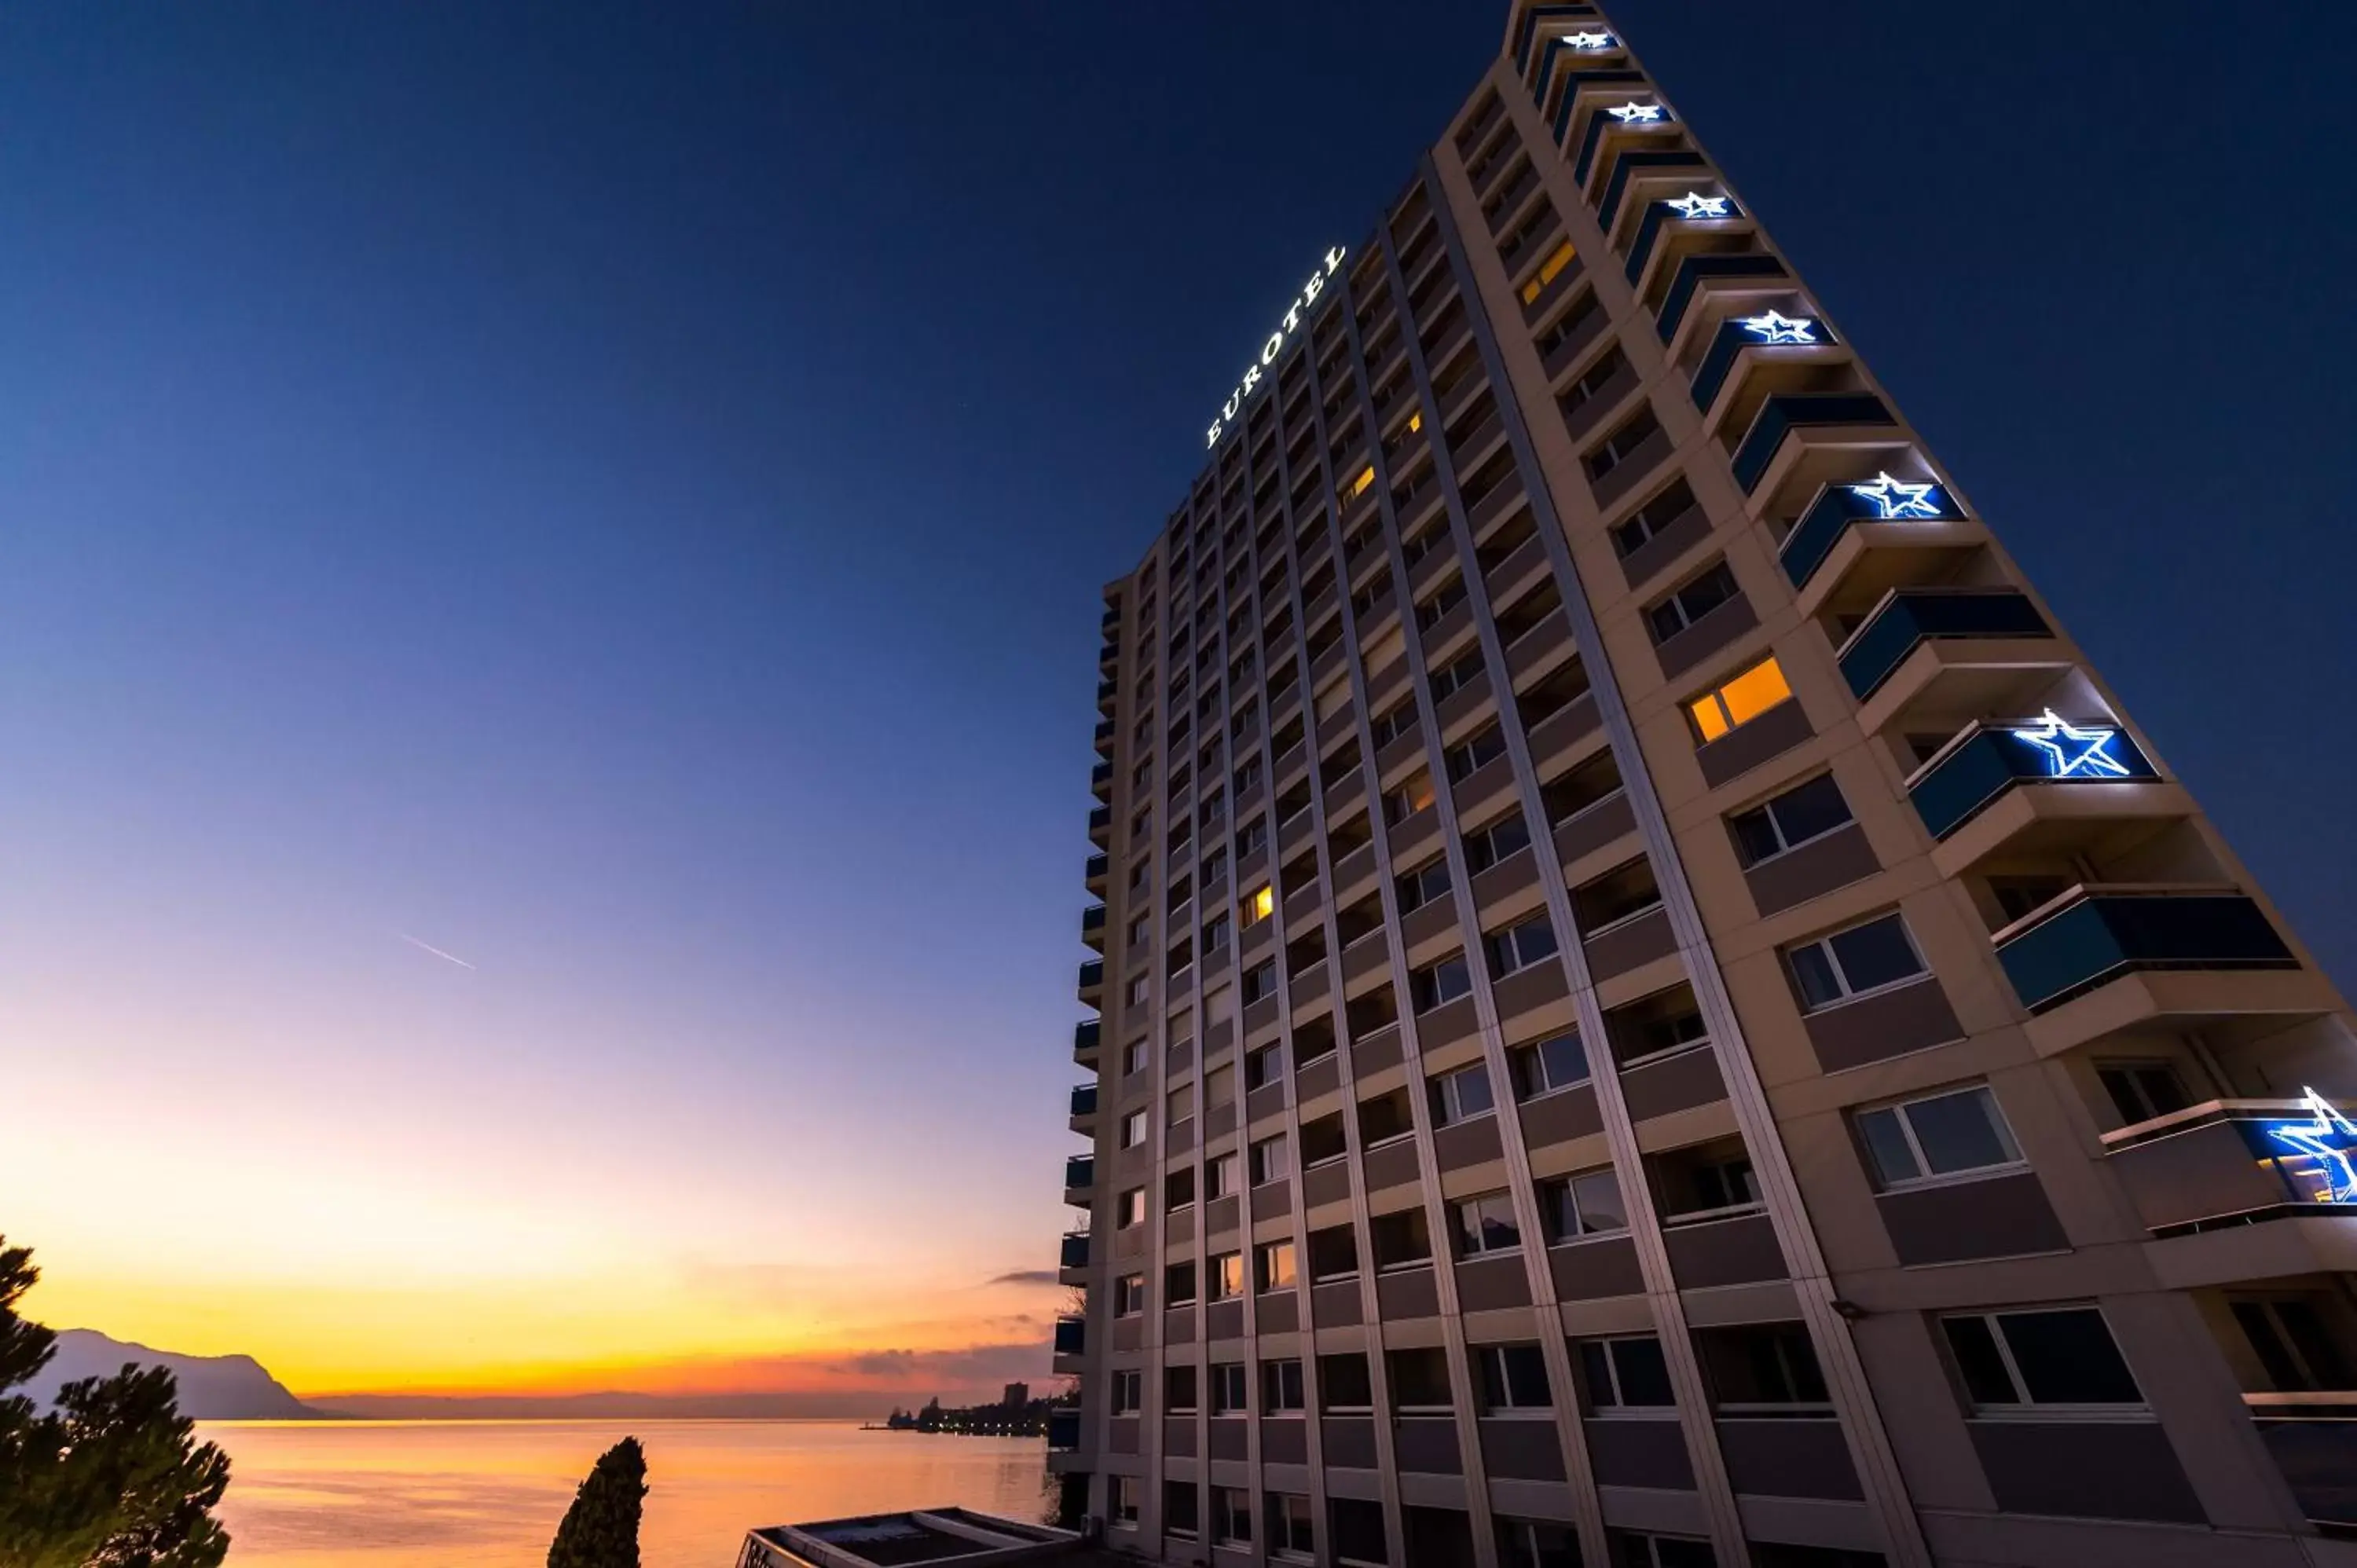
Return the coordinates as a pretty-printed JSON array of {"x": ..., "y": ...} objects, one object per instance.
[{"x": 406, "y": 1494}]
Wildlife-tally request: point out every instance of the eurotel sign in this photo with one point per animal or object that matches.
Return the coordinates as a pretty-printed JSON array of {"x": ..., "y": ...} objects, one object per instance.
[{"x": 1269, "y": 351}]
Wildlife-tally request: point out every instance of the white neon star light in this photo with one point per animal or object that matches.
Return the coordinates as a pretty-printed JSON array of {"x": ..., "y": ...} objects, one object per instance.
[
  {"x": 1695, "y": 204},
  {"x": 2329, "y": 1138},
  {"x": 1633, "y": 113},
  {"x": 2073, "y": 753},
  {"x": 1896, "y": 498},
  {"x": 1777, "y": 327},
  {"x": 1588, "y": 40}
]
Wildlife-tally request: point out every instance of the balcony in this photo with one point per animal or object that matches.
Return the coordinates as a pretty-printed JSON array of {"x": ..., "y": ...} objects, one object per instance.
[
  {"x": 1909, "y": 618},
  {"x": 1071, "y": 1344},
  {"x": 1634, "y": 167},
  {"x": 1697, "y": 274},
  {"x": 1104, "y": 737},
  {"x": 1063, "y": 1430},
  {"x": 1092, "y": 982},
  {"x": 1101, "y": 780},
  {"x": 1079, "y": 1177},
  {"x": 2093, "y": 936},
  {"x": 1781, "y": 415},
  {"x": 1732, "y": 341},
  {"x": 1072, "y": 1256},
  {"x": 1109, "y": 619},
  {"x": 1084, "y": 1041},
  {"x": 1108, "y": 693},
  {"x": 1092, "y": 923},
  {"x": 1108, "y": 656},
  {"x": 1084, "y": 1109},
  {"x": 1969, "y": 775},
  {"x": 1101, "y": 826},
  {"x": 1100, "y": 867},
  {"x": 1660, "y": 215}
]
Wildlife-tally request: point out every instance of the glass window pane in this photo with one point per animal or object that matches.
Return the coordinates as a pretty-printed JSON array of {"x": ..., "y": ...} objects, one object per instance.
[
  {"x": 1644, "y": 1375},
  {"x": 2068, "y": 1358},
  {"x": 1961, "y": 1132},
  {"x": 1595, "y": 1371},
  {"x": 1756, "y": 836},
  {"x": 1499, "y": 1228},
  {"x": 1526, "y": 1375},
  {"x": 1814, "y": 807},
  {"x": 1986, "y": 1379},
  {"x": 1876, "y": 954},
  {"x": 1812, "y": 972},
  {"x": 1598, "y": 1198},
  {"x": 1755, "y": 691},
  {"x": 1564, "y": 1060},
  {"x": 1893, "y": 1161},
  {"x": 1535, "y": 941},
  {"x": 1472, "y": 1088},
  {"x": 1708, "y": 719}
]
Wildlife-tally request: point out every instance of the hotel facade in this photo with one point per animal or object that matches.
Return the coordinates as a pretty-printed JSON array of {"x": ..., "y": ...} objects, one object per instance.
[{"x": 1654, "y": 1009}]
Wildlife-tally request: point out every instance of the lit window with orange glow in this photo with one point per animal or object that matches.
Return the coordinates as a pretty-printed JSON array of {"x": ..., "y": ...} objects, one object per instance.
[
  {"x": 1358, "y": 487},
  {"x": 1259, "y": 904},
  {"x": 1416, "y": 422},
  {"x": 1548, "y": 272},
  {"x": 1740, "y": 701}
]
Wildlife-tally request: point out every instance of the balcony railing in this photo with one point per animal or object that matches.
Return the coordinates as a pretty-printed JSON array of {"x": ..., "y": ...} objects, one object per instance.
[
  {"x": 1084, "y": 1099},
  {"x": 1100, "y": 781},
  {"x": 1093, "y": 920},
  {"x": 1789, "y": 411},
  {"x": 1962, "y": 782},
  {"x": 1084, "y": 1038},
  {"x": 1099, "y": 867},
  {"x": 1694, "y": 271},
  {"x": 1912, "y": 616},
  {"x": 1074, "y": 1251},
  {"x": 1608, "y": 208},
  {"x": 2093, "y": 934},
  {"x": 1080, "y": 1172},
  {"x": 1108, "y": 693},
  {"x": 1104, "y": 735},
  {"x": 1072, "y": 1336},
  {"x": 1100, "y": 825},
  {"x": 1829, "y": 517}
]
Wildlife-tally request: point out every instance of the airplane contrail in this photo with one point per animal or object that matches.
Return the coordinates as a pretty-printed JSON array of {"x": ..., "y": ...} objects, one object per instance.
[{"x": 438, "y": 952}]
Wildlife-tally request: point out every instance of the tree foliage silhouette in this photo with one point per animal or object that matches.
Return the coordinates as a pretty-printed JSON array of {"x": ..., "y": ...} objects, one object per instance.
[
  {"x": 113, "y": 1478},
  {"x": 601, "y": 1529}
]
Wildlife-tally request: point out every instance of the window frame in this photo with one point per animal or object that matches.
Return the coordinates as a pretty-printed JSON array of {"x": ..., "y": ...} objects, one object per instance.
[
  {"x": 1493, "y": 1371},
  {"x": 1475, "y": 1243},
  {"x": 1766, "y": 812},
  {"x": 1227, "y": 1377},
  {"x": 1447, "y": 1094},
  {"x": 1897, "y": 1109},
  {"x": 1850, "y": 993},
  {"x": 2026, "y": 1407}
]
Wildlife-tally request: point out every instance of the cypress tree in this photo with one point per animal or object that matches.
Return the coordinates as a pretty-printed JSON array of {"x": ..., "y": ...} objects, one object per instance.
[{"x": 601, "y": 1528}]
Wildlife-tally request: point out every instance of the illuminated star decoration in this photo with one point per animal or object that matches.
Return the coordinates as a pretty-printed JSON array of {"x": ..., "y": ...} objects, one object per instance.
[
  {"x": 2328, "y": 1139},
  {"x": 1695, "y": 204},
  {"x": 1896, "y": 498},
  {"x": 1636, "y": 114},
  {"x": 1589, "y": 40},
  {"x": 1777, "y": 327},
  {"x": 2074, "y": 753}
]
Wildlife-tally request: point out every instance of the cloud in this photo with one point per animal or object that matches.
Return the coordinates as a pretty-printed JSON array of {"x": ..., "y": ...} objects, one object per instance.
[{"x": 1025, "y": 1277}]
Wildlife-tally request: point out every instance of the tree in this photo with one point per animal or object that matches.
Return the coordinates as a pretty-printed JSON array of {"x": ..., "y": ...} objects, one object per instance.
[
  {"x": 601, "y": 1528},
  {"x": 113, "y": 1478}
]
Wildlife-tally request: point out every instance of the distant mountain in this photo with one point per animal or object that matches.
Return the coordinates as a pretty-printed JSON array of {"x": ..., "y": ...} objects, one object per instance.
[
  {"x": 612, "y": 1406},
  {"x": 212, "y": 1388}
]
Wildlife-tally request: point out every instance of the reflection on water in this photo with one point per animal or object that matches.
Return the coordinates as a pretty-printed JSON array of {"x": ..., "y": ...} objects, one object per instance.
[{"x": 405, "y": 1493}]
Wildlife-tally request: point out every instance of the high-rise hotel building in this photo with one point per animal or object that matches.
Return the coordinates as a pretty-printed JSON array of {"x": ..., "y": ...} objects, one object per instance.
[{"x": 1655, "y": 1010}]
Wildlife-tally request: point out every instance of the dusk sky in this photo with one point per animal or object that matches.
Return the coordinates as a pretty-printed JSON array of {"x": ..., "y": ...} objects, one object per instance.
[{"x": 619, "y": 495}]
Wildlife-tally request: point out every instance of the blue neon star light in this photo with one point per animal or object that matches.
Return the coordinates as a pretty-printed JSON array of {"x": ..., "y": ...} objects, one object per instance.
[
  {"x": 2072, "y": 753},
  {"x": 1634, "y": 113},
  {"x": 1896, "y": 498},
  {"x": 1589, "y": 41},
  {"x": 2328, "y": 1139},
  {"x": 1695, "y": 204},
  {"x": 1777, "y": 327}
]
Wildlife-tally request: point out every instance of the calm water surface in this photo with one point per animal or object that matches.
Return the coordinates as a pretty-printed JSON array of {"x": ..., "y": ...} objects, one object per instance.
[{"x": 405, "y": 1493}]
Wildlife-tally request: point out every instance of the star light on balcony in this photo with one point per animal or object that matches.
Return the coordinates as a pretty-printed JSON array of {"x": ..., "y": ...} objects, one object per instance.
[
  {"x": 1634, "y": 113},
  {"x": 1589, "y": 41},
  {"x": 2073, "y": 753},
  {"x": 1898, "y": 498},
  {"x": 1777, "y": 327},
  {"x": 2328, "y": 1139},
  {"x": 1695, "y": 204}
]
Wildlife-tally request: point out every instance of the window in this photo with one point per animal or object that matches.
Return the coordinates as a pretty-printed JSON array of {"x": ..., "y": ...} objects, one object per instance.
[
  {"x": 1253, "y": 837},
  {"x": 1355, "y": 487},
  {"x": 1359, "y": 1534},
  {"x": 1388, "y": 727},
  {"x": 1215, "y": 935},
  {"x": 1132, "y": 1129},
  {"x": 1419, "y": 1379},
  {"x": 1769, "y": 1367},
  {"x": 2050, "y": 1356},
  {"x": 1129, "y": 1295},
  {"x": 1468, "y": 756},
  {"x": 1124, "y": 1500},
  {"x": 1852, "y": 963},
  {"x": 1177, "y": 1389},
  {"x": 1422, "y": 886},
  {"x": 1258, "y": 904},
  {"x": 1463, "y": 1093},
  {"x": 1633, "y": 1549},
  {"x": 1219, "y": 1086},
  {"x": 1179, "y": 1105},
  {"x": 1625, "y": 1374},
  {"x": 1132, "y": 1058},
  {"x": 1413, "y": 796},
  {"x": 1530, "y": 1544},
  {"x": 1486, "y": 847},
  {"x": 2141, "y": 1091},
  {"x": 1130, "y": 1208},
  {"x": 1557, "y": 259},
  {"x": 1458, "y": 674},
  {"x": 1400, "y": 1239},
  {"x": 1807, "y": 812},
  {"x": 1589, "y": 1203},
  {"x": 1273, "y": 1266},
  {"x": 1229, "y": 1396},
  {"x": 1385, "y": 1117},
  {"x": 1647, "y": 521},
  {"x": 1740, "y": 701},
  {"x": 1334, "y": 1253},
  {"x": 1231, "y": 1516},
  {"x": 1219, "y": 1175},
  {"x": 1290, "y": 1534},
  {"x": 1264, "y": 1067},
  {"x": 1260, "y": 983},
  {"x": 1556, "y": 1062},
  {"x": 2293, "y": 1343},
  {"x": 1514, "y": 1377},
  {"x": 1225, "y": 1272},
  {"x": 1180, "y": 1504},
  {"x": 1178, "y": 1283},
  {"x": 1128, "y": 1393},
  {"x": 1140, "y": 930},
  {"x": 1344, "y": 1383},
  {"x": 1918, "y": 1141},
  {"x": 1272, "y": 1160},
  {"x": 1616, "y": 449},
  {"x": 1280, "y": 1387},
  {"x": 1442, "y": 982},
  {"x": 1178, "y": 1189},
  {"x": 1486, "y": 1224},
  {"x": 1518, "y": 946},
  {"x": 1139, "y": 988},
  {"x": 1691, "y": 603}
]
